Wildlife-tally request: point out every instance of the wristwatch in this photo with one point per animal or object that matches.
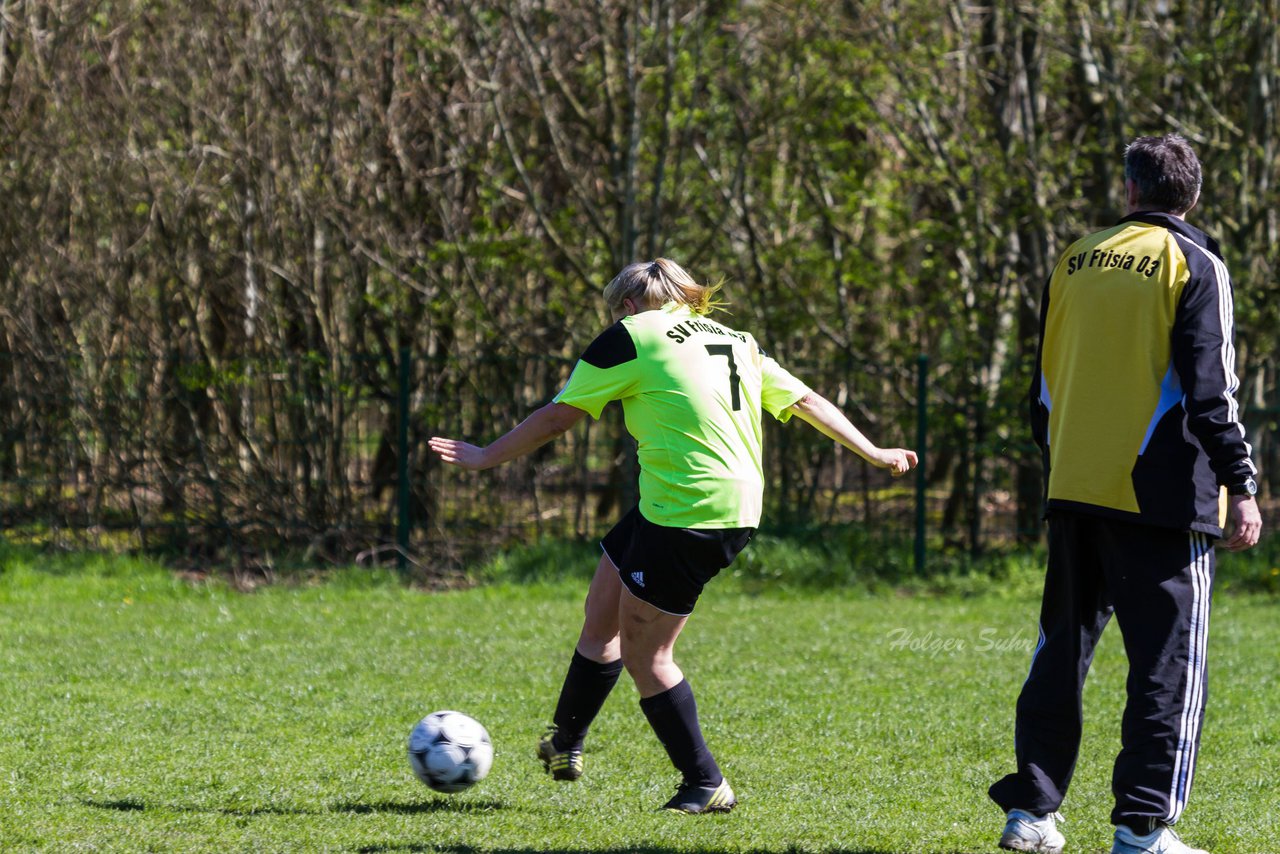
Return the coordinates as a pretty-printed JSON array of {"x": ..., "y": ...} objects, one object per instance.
[{"x": 1248, "y": 487}]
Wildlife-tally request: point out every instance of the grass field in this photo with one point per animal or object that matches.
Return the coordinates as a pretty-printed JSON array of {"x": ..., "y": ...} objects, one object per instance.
[{"x": 142, "y": 712}]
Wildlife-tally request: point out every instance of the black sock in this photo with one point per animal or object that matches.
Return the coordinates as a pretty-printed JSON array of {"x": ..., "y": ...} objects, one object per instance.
[
  {"x": 673, "y": 714},
  {"x": 586, "y": 687}
]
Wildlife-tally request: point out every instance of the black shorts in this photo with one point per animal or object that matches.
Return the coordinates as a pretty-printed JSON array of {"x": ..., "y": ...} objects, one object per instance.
[{"x": 667, "y": 567}]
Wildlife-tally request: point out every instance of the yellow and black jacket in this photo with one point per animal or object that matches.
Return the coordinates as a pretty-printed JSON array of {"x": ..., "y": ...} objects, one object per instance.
[{"x": 1133, "y": 401}]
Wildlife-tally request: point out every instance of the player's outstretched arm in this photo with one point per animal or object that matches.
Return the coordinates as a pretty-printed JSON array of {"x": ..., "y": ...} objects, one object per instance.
[
  {"x": 535, "y": 431},
  {"x": 823, "y": 415}
]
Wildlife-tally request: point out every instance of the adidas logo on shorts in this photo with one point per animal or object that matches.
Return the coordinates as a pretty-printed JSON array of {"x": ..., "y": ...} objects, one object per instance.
[{"x": 638, "y": 578}]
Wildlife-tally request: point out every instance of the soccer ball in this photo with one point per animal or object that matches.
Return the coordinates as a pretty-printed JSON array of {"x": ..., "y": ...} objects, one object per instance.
[{"x": 450, "y": 751}]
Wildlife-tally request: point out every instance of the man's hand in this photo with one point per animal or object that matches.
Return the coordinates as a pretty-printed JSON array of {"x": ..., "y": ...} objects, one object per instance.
[
  {"x": 459, "y": 453},
  {"x": 1244, "y": 523}
]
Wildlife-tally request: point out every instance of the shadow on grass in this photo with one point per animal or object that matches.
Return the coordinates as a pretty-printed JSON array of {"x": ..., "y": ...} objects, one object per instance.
[
  {"x": 120, "y": 805},
  {"x": 643, "y": 849},
  {"x": 421, "y": 807},
  {"x": 441, "y": 805},
  {"x": 136, "y": 805},
  {"x": 373, "y": 808}
]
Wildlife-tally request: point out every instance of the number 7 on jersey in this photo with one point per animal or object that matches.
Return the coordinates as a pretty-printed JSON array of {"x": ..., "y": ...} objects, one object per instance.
[{"x": 726, "y": 350}]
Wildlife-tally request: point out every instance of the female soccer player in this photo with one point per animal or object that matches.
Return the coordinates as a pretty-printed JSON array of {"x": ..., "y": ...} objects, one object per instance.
[{"x": 692, "y": 390}]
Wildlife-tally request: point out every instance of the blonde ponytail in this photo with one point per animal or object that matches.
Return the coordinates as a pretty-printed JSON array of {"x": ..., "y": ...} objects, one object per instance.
[{"x": 652, "y": 284}]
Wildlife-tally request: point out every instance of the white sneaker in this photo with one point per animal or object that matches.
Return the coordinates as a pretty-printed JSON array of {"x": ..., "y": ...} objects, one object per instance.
[
  {"x": 1162, "y": 841},
  {"x": 1038, "y": 834}
]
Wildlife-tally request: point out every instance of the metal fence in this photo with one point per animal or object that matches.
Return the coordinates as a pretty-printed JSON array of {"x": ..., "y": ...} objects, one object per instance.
[{"x": 325, "y": 459}]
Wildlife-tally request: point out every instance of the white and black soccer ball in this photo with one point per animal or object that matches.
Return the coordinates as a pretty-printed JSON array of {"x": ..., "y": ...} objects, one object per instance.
[{"x": 450, "y": 751}]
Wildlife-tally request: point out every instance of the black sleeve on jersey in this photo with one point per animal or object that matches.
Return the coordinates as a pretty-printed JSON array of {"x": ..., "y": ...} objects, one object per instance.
[
  {"x": 1039, "y": 413},
  {"x": 611, "y": 348},
  {"x": 1202, "y": 353}
]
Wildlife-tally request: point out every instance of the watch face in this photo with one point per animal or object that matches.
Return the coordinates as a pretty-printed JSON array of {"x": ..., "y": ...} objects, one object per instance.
[{"x": 1248, "y": 487}]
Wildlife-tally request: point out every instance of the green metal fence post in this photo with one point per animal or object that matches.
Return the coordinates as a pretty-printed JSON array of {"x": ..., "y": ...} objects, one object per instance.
[
  {"x": 402, "y": 462},
  {"x": 922, "y": 443}
]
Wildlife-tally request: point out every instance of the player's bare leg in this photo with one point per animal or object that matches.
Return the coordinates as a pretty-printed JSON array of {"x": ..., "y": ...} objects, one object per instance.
[
  {"x": 592, "y": 674},
  {"x": 648, "y": 643},
  {"x": 599, "y": 639}
]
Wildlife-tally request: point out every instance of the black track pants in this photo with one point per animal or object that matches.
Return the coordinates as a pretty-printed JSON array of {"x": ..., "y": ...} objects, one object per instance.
[{"x": 1158, "y": 583}]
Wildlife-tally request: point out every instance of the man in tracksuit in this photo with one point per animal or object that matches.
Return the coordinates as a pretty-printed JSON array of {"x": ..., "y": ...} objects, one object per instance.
[{"x": 1134, "y": 407}]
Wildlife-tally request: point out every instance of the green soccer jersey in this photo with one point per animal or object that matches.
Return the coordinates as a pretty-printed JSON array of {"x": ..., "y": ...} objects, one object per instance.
[{"x": 692, "y": 392}]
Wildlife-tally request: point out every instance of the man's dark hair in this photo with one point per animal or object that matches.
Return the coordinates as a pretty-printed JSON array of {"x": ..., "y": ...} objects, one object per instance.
[{"x": 1166, "y": 172}]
